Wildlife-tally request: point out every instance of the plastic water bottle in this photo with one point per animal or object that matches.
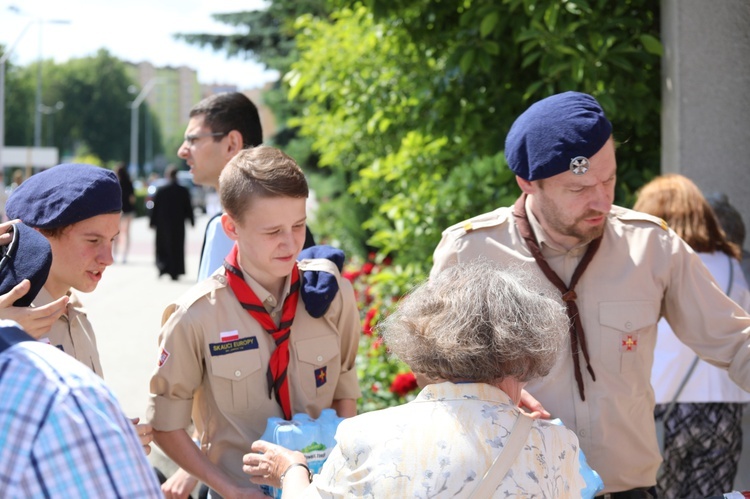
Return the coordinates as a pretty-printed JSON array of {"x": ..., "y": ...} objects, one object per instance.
[{"x": 313, "y": 437}]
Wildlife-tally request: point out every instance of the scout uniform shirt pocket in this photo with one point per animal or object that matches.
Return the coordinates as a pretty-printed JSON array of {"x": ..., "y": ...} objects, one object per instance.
[
  {"x": 319, "y": 366},
  {"x": 628, "y": 333},
  {"x": 235, "y": 363}
]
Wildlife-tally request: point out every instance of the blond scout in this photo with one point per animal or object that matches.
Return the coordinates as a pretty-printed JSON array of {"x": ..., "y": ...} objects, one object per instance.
[{"x": 219, "y": 364}]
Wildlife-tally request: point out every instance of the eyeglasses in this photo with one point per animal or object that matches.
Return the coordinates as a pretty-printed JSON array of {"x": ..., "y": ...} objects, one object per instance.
[{"x": 192, "y": 139}]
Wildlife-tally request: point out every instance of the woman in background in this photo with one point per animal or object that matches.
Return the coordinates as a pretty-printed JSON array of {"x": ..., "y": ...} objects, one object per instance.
[
  {"x": 703, "y": 433},
  {"x": 128, "y": 212}
]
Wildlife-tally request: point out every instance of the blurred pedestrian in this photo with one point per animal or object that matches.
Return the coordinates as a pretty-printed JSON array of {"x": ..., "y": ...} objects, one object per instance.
[
  {"x": 703, "y": 431},
  {"x": 172, "y": 207},
  {"x": 733, "y": 224},
  {"x": 128, "y": 212}
]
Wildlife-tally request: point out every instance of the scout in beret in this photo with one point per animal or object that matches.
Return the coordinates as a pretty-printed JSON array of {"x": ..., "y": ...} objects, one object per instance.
[
  {"x": 77, "y": 208},
  {"x": 256, "y": 339},
  {"x": 616, "y": 270}
]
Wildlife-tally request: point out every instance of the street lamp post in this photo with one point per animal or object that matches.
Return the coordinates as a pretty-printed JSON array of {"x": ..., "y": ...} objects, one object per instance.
[
  {"x": 134, "y": 106},
  {"x": 49, "y": 110},
  {"x": 38, "y": 115},
  {"x": 4, "y": 58}
]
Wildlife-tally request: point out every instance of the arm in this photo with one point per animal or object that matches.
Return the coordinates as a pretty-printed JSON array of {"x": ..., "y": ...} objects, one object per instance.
[
  {"x": 345, "y": 408},
  {"x": 34, "y": 320},
  {"x": 182, "y": 450},
  {"x": 702, "y": 316},
  {"x": 349, "y": 329}
]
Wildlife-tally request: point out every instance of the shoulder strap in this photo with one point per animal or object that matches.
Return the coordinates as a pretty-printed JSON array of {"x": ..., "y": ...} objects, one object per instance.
[
  {"x": 10, "y": 335},
  {"x": 502, "y": 463}
]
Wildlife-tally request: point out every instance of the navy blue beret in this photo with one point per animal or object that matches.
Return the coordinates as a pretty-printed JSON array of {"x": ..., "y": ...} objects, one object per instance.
[
  {"x": 65, "y": 194},
  {"x": 28, "y": 256},
  {"x": 319, "y": 288},
  {"x": 554, "y": 132}
]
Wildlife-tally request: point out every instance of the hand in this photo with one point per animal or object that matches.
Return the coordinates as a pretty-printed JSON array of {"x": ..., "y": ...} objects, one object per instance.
[
  {"x": 267, "y": 468},
  {"x": 34, "y": 320},
  {"x": 533, "y": 406},
  {"x": 179, "y": 485},
  {"x": 5, "y": 235},
  {"x": 145, "y": 434}
]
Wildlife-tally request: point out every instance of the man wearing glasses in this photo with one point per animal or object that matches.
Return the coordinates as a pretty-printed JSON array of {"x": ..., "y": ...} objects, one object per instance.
[{"x": 220, "y": 126}]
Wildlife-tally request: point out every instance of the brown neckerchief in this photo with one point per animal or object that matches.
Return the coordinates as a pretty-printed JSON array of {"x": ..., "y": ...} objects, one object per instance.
[{"x": 568, "y": 292}]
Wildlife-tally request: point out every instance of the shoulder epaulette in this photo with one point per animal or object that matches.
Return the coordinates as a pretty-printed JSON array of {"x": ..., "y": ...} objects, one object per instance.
[
  {"x": 627, "y": 215},
  {"x": 484, "y": 221}
]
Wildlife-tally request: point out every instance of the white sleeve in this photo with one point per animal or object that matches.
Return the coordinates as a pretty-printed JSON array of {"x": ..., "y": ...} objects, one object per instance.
[{"x": 217, "y": 247}]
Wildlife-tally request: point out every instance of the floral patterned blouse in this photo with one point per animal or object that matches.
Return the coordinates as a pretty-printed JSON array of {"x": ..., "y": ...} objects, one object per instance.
[{"x": 441, "y": 444}]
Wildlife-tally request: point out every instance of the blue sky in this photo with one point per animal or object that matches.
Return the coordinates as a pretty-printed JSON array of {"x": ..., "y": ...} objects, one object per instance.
[{"x": 132, "y": 30}]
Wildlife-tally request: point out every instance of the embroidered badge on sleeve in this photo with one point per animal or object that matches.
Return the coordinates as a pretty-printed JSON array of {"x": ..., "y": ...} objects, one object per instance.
[{"x": 163, "y": 356}]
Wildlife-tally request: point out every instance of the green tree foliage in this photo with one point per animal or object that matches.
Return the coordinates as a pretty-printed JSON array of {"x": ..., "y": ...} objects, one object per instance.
[
  {"x": 409, "y": 101},
  {"x": 95, "y": 119},
  {"x": 95, "y": 93},
  {"x": 268, "y": 36}
]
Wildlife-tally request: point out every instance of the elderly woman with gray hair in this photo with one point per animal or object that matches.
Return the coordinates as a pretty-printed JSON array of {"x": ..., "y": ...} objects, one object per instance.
[{"x": 478, "y": 333}]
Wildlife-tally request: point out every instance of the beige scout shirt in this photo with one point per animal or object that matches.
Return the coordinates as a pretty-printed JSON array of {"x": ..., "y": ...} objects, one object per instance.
[
  {"x": 227, "y": 393},
  {"x": 72, "y": 332},
  {"x": 641, "y": 272}
]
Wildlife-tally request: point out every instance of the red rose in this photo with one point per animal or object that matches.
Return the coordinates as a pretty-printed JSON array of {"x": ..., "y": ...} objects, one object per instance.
[
  {"x": 403, "y": 383},
  {"x": 367, "y": 326},
  {"x": 351, "y": 275},
  {"x": 367, "y": 268}
]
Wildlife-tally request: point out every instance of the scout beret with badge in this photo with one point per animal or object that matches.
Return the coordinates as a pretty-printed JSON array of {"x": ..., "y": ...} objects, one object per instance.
[
  {"x": 27, "y": 256},
  {"x": 65, "y": 194},
  {"x": 556, "y": 134}
]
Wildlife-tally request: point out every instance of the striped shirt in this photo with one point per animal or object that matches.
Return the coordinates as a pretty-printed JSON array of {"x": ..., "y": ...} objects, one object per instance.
[{"x": 62, "y": 431}]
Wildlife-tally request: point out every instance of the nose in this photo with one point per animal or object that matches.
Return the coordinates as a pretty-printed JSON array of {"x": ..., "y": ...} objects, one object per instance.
[
  {"x": 602, "y": 199},
  {"x": 183, "y": 151},
  {"x": 105, "y": 255}
]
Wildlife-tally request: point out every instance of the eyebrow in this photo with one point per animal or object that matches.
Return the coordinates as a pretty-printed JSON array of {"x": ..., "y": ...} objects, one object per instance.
[{"x": 304, "y": 219}]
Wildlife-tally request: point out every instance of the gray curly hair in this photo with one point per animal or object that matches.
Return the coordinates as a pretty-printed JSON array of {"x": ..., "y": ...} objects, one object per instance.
[{"x": 478, "y": 322}]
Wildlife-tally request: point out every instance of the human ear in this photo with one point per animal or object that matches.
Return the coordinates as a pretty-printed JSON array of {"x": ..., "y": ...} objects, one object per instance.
[
  {"x": 230, "y": 226},
  {"x": 526, "y": 186}
]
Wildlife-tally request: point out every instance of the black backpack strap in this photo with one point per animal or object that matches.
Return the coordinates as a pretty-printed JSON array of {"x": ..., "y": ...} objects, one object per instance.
[{"x": 10, "y": 335}]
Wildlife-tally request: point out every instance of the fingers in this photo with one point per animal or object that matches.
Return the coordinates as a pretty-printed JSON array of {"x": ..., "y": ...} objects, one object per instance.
[
  {"x": 145, "y": 434},
  {"x": 14, "y": 294},
  {"x": 179, "y": 485}
]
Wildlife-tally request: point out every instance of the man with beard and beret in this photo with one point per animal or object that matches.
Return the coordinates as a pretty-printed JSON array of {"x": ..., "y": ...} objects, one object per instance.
[{"x": 618, "y": 271}]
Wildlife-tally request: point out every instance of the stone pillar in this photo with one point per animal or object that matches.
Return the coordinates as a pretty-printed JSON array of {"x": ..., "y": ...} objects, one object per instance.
[
  {"x": 705, "y": 119},
  {"x": 706, "y": 96}
]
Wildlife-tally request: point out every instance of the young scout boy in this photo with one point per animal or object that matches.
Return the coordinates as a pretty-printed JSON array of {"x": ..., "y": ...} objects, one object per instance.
[
  {"x": 77, "y": 208},
  {"x": 240, "y": 347}
]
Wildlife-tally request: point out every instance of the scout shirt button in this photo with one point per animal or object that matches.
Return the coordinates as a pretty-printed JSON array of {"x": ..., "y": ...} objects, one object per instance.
[
  {"x": 320, "y": 358},
  {"x": 238, "y": 373},
  {"x": 582, "y": 432},
  {"x": 628, "y": 325},
  {"x": 221, "y": 279}
]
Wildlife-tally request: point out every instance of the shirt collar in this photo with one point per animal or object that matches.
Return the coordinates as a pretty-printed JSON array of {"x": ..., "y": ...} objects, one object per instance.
[{"x": 265, "y": 296}]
